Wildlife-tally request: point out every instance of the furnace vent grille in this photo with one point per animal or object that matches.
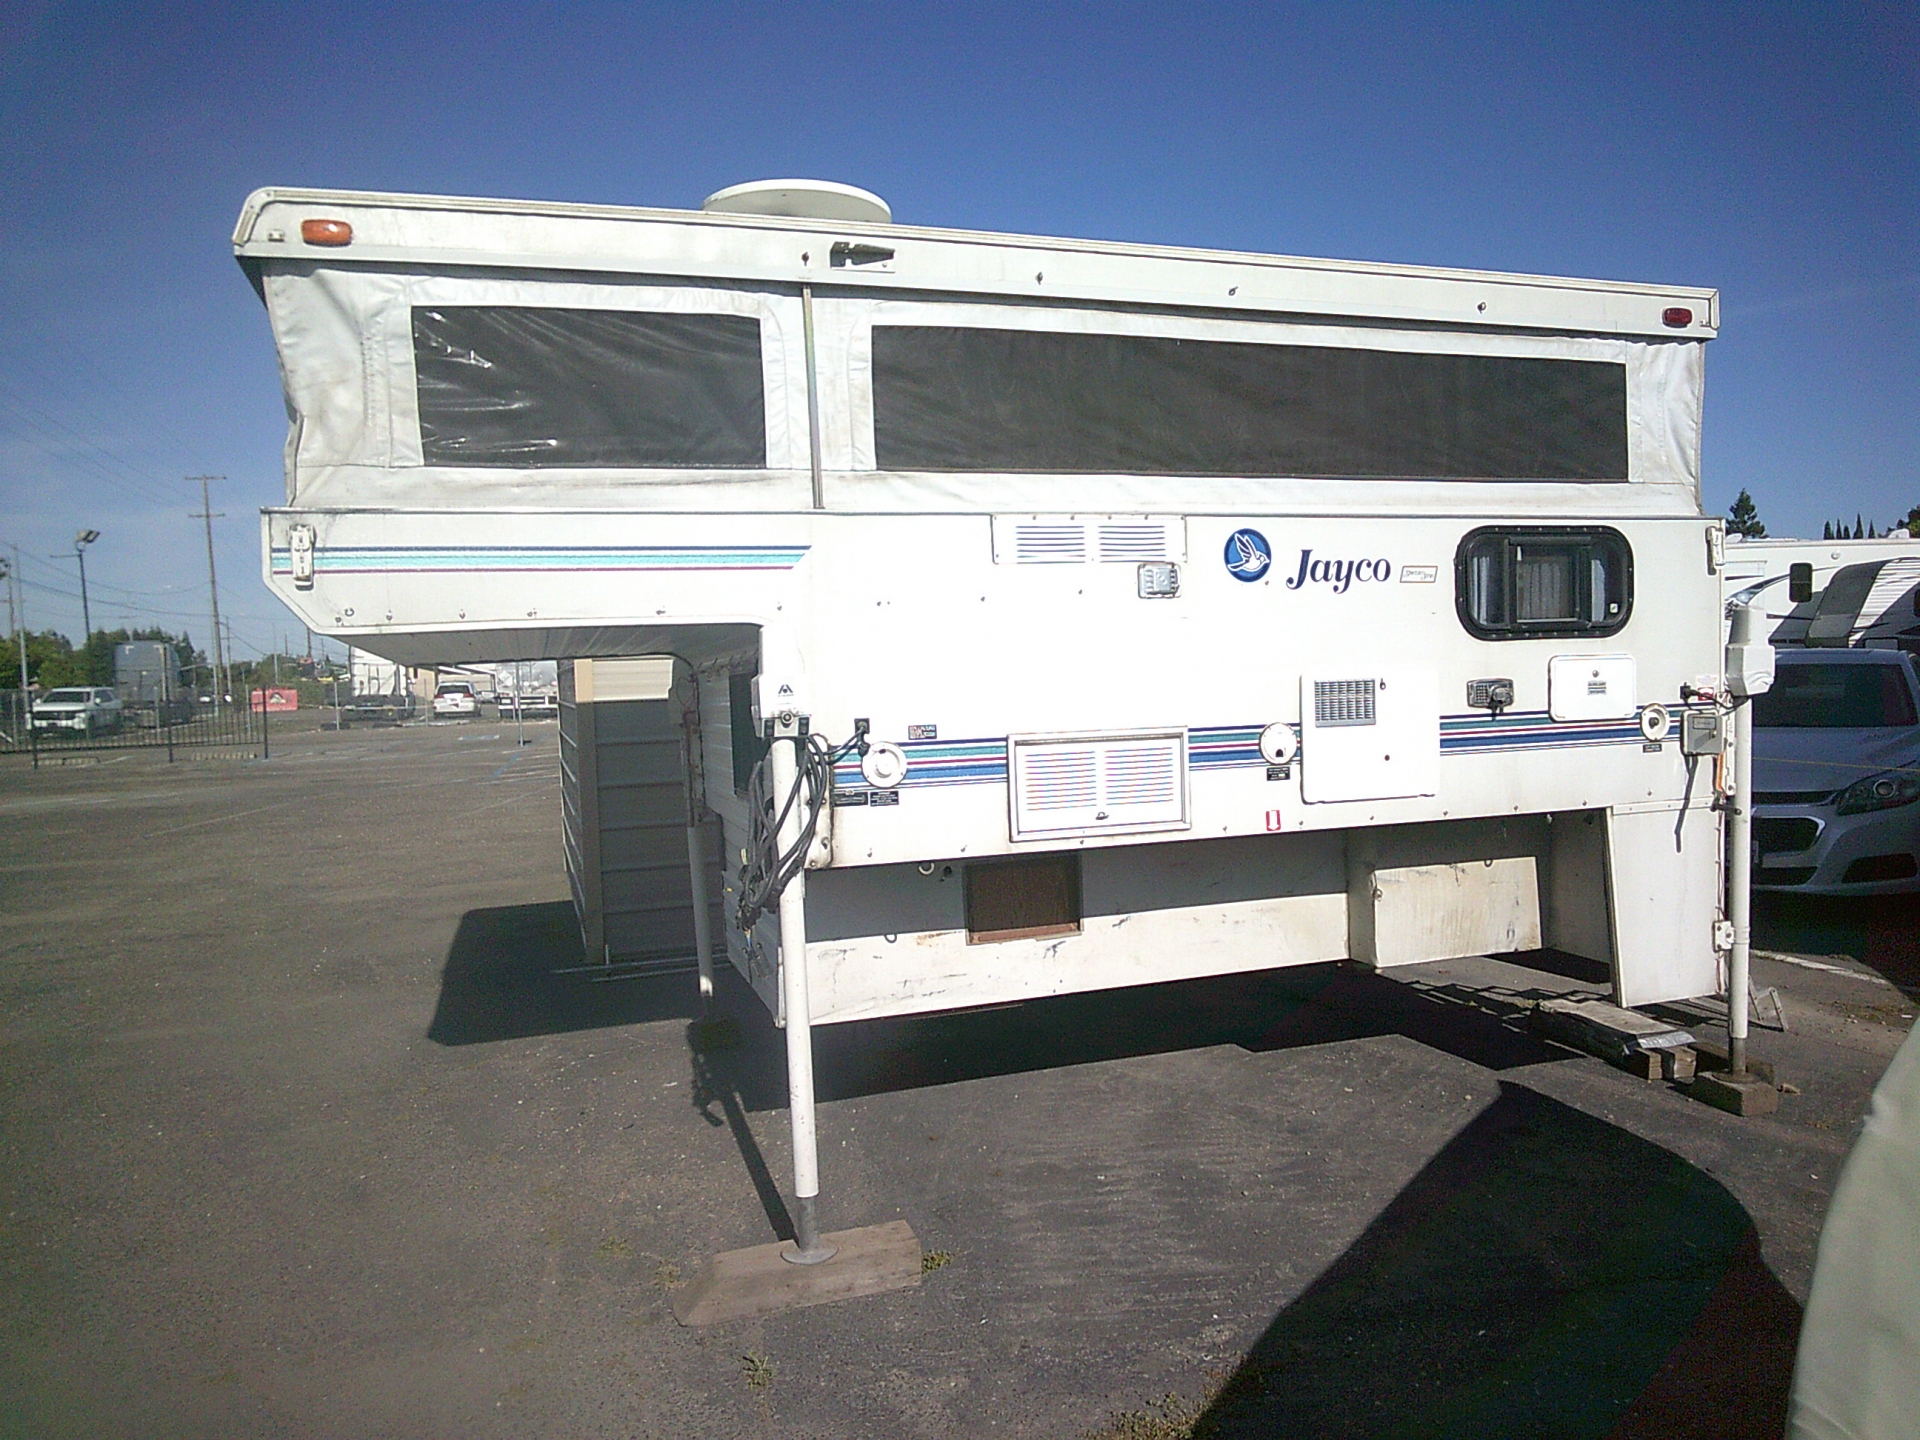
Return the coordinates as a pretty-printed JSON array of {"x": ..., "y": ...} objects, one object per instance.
[
  {"x": 1065, "y": 785},
  {"x": 1343, "y": 702}
]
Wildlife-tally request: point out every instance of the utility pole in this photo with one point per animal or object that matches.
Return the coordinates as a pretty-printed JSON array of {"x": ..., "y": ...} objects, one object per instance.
[
  {"x": 13, "y": 631},
  {"x": 19, "y": 617},
  {"x": 213, "y": 584},
  {"x": 17, "y": 583}
]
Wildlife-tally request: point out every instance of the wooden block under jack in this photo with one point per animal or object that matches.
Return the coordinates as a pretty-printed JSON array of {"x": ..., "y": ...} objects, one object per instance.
[
  {"x": 1679, "y": 1064},
  {"x": 1736, "y": 1094},
  {"x": 738, "y": 1284}
]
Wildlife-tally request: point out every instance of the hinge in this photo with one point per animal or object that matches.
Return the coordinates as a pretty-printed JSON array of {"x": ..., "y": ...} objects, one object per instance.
[{"x": 1716, "y": 549}]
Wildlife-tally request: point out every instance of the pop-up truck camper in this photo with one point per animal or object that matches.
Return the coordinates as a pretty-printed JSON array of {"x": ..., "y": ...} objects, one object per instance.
[{"x": 1050, "y": 615}]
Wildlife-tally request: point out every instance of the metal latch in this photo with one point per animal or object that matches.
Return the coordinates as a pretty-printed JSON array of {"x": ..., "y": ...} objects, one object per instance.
[
  {"x": 1492, "y": 694},
  {"x": 300, "y": 544},
  {"x": 1159, "y": 580},
  {"x": 1723, "y": 934},
  {"x": 847, "y": 254}
]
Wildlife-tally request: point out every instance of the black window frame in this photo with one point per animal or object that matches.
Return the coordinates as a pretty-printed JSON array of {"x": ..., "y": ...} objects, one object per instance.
[{"x": 1584, "y": 538}]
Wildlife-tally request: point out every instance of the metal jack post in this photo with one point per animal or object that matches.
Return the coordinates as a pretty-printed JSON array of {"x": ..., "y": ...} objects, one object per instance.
[
  {"x": 808, "y": 1249},
  {"x": 1749, "y": 674}
]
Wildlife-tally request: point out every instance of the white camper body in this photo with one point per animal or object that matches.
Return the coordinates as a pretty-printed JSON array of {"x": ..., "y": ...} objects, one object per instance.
[
  {"x": 1875, "y": 607},
  {"x": 1228, "y": 611}
]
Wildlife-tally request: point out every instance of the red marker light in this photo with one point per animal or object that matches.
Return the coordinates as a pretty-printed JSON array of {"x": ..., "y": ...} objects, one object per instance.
[
  {"x": 339, "y": 232},
  {"x": 1676, "y": 317}
]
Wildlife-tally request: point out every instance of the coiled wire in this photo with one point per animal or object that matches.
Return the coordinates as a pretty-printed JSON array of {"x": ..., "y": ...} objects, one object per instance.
[{"x": 768, "y": 870}]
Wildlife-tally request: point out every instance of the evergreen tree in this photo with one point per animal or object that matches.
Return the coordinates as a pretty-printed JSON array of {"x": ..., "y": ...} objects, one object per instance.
[
  {"x": 1743, "y": 518},
  {"x": 1826, "y": 531},
  {"x": 1859, "y": 530}
]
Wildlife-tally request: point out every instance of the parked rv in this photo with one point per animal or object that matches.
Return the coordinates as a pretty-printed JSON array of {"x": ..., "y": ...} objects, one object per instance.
[
  {"x": 1053, "y": 614},
  {"x": 1863, "y": 592}
]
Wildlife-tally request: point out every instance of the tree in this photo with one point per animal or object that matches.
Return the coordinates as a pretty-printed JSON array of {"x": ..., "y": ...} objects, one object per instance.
[
  {"x": 1826, "y": 531},
  {"x": 1744, "y": 518}
]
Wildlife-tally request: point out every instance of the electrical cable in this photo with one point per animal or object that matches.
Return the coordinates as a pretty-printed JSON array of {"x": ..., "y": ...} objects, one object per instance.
[{"x": 768, "y": 871}]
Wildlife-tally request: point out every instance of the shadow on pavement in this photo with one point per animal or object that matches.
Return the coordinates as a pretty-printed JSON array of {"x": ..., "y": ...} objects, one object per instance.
[
  {"x": 1265, "y": 1010},
  {"x": 1547, "y": 1274},
  {"x": 1881, "y": 931},
  {"x": 501, "y": 981}
]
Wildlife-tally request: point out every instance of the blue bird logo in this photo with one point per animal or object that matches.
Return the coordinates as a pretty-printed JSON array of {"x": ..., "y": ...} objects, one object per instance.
[{"x": 1248, "y": 555}]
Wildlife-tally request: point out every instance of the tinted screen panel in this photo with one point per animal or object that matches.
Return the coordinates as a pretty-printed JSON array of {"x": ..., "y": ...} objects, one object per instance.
[
  {"x": 948, "y": 398},
  {"x": 526, "y": 386}
]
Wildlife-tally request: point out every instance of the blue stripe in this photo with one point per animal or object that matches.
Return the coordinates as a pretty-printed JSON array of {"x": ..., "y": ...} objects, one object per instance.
[{"x": 1223, "y": 747}]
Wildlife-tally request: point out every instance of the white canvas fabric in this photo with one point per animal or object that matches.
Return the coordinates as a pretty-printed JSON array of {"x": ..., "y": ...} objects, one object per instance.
[{"x": 346, "y": 347}]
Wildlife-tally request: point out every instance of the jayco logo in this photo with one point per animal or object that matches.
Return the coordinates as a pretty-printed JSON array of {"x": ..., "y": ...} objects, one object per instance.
[{"x": 1338, "y": 573}]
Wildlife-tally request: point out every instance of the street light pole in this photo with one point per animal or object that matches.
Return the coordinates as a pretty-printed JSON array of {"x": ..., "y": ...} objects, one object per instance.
[{"x": 80, "y": 543}]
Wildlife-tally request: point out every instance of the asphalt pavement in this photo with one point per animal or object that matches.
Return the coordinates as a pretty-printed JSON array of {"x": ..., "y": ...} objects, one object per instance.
[{"x": 303, "y": 1131}]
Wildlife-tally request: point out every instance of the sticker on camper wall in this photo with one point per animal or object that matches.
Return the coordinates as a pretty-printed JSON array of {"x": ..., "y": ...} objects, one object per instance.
[{"x": 1248, "y": 555}]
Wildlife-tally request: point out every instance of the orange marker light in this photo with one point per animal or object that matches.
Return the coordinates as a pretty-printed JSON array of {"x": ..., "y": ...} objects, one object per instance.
[
  {"x": 1677, "y": 317},
  {"x": 339, "y": 232}
]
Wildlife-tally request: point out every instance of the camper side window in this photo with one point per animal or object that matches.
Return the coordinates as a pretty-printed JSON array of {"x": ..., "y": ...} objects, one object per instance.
[
  {"x": 1511, "y": 583},
  {"x": 953, "y": 398},
  {"x": 534, "y": 387}
]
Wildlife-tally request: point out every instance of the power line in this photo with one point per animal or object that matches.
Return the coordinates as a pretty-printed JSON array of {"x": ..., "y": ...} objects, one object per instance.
[{"x": 131, "y": 480}]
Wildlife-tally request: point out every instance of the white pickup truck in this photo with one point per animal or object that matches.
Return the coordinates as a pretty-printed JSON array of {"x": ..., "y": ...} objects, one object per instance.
[{"x": 86, "y": 709}]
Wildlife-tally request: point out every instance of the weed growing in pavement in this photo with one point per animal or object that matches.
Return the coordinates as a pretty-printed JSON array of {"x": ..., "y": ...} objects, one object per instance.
[
  {"x": 934, "y": 1260},
  {"x": 1168, "y": 1418},
  {"x": 614, "y": 1248},
  {"x": 666, "y": 1275},
  {"x": 757, "y": 1369}
]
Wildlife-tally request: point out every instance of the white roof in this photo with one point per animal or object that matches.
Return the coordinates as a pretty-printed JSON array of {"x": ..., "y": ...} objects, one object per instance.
[{"x": 436, "y": 231}]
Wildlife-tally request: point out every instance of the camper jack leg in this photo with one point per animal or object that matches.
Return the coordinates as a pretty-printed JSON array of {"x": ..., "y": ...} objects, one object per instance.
[
  {"x": 812, "y": 1268},
  {"x": 702, "y": 912},
  {"x": 808, "y": 1249}
]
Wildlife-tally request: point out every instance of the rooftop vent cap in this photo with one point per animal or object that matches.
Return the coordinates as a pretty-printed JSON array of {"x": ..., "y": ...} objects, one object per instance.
[{"x": 800, "y": 200}]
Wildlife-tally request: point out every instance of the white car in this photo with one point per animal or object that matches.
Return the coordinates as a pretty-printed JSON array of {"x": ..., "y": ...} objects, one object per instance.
[
  {"x": 85, "y": 709},
  {"x": 1836, "y": 774},
  {"x": 455, "y": 700}
]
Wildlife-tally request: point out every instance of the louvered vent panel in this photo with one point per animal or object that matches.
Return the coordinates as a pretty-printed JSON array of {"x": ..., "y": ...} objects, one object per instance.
[
  {"x": 1123, "y": 541},
  {"x": 1343, "y": 702},
  {"x": 1037, "y": 544},
  {"x": 1098, "y": 784},
  {"x": 1081, "y": 539},
  {"x": 1062, "y": 778}
]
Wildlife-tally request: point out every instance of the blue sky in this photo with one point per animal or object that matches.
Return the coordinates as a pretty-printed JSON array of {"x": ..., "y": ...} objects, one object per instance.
[{"x": 1770, "y": 151}]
